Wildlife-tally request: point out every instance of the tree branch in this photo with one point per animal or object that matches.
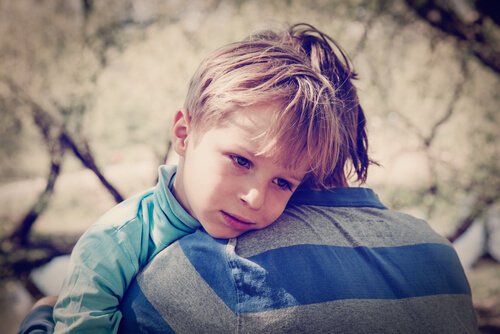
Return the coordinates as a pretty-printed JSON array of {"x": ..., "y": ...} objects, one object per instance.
[
  {"x": 21, "y": 233},
  {"x": 474, "y": 34},
  {"x": 457, "y": 93},
  {"x": 480, "y": 206},
  {"x": 82, "y": 151},
  {"x": 80, "y": 148}
]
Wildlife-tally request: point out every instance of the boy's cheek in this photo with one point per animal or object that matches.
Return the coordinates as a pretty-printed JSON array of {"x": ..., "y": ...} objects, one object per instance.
[{"x": 278, "y": 207}]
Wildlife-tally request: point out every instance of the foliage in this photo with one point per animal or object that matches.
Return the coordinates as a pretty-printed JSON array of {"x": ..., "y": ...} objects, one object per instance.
[{"x": 92, "y": 84}]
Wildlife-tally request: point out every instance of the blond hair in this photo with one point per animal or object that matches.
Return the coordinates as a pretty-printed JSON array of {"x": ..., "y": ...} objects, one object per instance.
[{"x": 300, "y": 70}]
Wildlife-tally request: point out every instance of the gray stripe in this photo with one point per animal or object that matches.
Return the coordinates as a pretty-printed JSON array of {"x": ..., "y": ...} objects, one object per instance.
[
  {"x": 437, "y": 314},
  {"x": 181, "y": 296},
  {"x": 189, "y": 305},
  {"x": 349, "y": 227}
]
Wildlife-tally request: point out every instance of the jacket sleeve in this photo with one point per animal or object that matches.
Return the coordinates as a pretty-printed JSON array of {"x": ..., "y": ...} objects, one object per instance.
[{"x": 102, "y": 265}]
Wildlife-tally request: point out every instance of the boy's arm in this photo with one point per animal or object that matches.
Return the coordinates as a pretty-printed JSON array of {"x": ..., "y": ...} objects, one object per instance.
[
  {"x": 102, "y": 265},
  {"x": 39, "y": 320}
]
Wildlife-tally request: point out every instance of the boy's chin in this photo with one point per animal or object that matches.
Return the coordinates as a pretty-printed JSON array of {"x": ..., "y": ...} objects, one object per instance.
[{"x": 224, "y": 234}]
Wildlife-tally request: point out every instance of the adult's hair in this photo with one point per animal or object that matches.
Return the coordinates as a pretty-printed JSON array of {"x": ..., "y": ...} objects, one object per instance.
[{"x": 328, "y": 58}]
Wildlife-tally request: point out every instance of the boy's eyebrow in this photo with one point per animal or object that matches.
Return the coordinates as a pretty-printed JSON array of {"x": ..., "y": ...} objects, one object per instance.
[
  {"x": 297, "y": 178},
  {"x": 293, "y": 174},
  {"x": 246, "y": 151}
]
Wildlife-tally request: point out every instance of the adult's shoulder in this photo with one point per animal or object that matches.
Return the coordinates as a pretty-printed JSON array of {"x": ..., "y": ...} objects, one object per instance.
[{"x": 343, "y": 217}]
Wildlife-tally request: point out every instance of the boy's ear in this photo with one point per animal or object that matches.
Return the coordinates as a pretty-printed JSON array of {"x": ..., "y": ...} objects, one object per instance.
[{"x": 180, "y": 131}]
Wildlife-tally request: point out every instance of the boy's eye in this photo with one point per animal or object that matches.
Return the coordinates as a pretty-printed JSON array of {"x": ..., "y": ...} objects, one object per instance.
[
  {"x": 241, "y": 162},
  {"x": 283, "y": 184}
]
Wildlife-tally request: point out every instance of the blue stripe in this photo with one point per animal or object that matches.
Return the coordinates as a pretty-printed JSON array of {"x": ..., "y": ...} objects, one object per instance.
[
  {"x": 338, "y": 197},
  {"x": 314, "y": 273},
  {"x": 308, "y": 274},
  {"x": 208, "y": 256},
  {"x": 139, "y": 315}
]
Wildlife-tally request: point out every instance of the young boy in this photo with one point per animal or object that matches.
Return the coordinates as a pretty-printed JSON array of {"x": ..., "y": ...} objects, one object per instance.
[{"x": 259, "y": 120}]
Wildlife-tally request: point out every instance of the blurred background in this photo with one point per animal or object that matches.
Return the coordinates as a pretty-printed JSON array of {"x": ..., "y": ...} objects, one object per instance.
[{"x": 88, "y": 89}]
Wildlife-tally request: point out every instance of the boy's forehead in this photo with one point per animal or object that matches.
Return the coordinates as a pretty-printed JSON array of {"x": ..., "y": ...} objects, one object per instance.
[
  {"x": 253, "y": 128},
  {"x": 253, "y": 122}
]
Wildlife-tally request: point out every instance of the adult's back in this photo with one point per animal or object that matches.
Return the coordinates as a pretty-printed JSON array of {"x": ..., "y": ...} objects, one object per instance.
[{"x": 336, "y": 261}]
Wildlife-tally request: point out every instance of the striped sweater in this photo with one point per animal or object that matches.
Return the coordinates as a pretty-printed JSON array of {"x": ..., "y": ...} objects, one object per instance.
[{"x": 337, "y": 261}]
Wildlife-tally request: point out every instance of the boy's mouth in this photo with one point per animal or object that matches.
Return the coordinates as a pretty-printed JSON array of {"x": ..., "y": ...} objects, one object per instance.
[{"x": 236, "y": 222}]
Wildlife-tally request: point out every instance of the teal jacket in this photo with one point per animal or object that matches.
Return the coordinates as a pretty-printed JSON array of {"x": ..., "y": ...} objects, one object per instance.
[{"x": 109, "y": 255}]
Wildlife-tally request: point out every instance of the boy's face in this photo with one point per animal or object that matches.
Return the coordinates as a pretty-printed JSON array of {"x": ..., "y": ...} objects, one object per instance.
[{"x": 221, "y": 181}]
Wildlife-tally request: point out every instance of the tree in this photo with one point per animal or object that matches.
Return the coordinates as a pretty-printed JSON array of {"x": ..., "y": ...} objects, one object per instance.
[
  {"x": 428, "y": 84},
  {"x": 57, "y": 55}
]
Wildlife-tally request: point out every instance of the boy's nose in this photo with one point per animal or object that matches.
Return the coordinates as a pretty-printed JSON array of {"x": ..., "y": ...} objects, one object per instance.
[{"x": 254, "y": 198}]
